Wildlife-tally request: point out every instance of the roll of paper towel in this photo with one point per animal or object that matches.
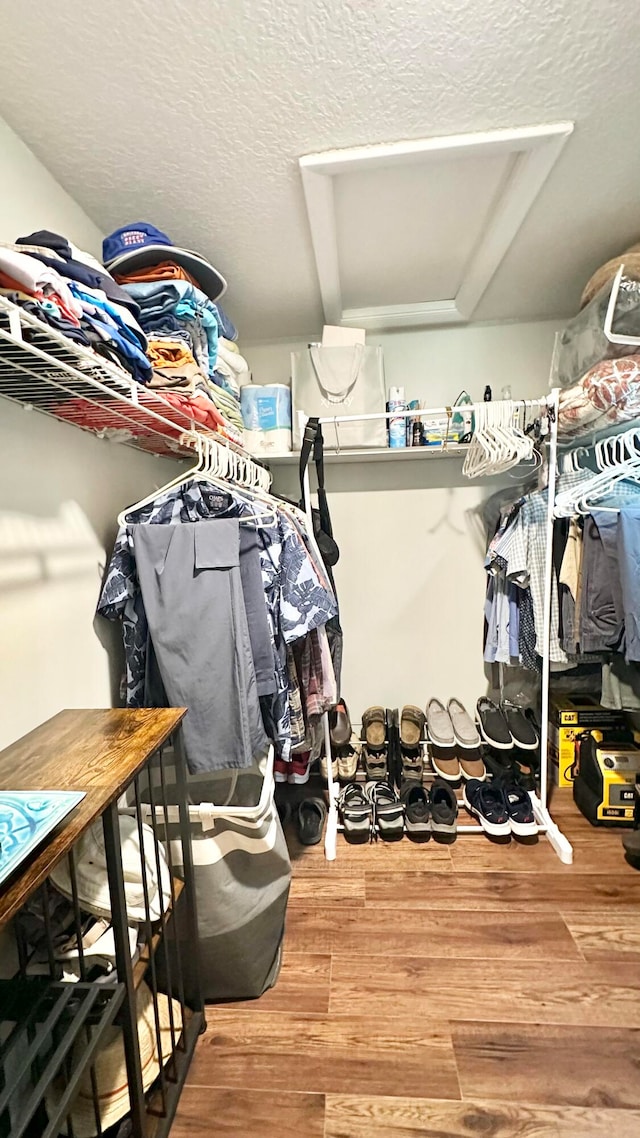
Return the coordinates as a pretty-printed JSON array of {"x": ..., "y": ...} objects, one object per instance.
[{"x": 266, "y": 414}]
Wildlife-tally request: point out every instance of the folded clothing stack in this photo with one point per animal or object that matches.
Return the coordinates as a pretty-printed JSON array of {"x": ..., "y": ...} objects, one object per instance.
[
  {"x": 70, "y": 291},
  {"x": 196, "y": 364}
]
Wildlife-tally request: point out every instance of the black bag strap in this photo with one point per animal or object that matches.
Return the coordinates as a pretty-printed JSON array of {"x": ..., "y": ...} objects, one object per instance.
[
  {"x": 323, "y": 504},
  {"x": 308, "y": 444},
  {"x": 313, "y": 440}
]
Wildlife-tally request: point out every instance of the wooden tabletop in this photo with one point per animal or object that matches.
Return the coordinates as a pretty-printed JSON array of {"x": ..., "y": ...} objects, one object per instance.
[{"x": 97, "y": 752}]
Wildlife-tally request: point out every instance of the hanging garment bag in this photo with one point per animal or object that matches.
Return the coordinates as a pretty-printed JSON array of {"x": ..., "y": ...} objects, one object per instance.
[
  {"x": 340, "y": 381},
  {"x": 242, "y": 876}
]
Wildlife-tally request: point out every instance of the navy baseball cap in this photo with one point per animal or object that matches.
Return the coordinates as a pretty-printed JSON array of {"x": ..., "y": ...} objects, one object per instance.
[{"x": 140, "y": 244}]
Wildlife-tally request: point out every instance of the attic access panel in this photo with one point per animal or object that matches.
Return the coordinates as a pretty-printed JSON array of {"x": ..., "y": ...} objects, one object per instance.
[{"x": 412, "y": 233}]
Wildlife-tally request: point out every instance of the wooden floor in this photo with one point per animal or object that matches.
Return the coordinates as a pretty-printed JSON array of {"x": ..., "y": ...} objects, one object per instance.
[{"x": 476, "y": 990}]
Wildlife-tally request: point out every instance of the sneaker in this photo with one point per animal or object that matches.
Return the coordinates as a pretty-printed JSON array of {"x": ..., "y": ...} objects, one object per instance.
[
  {"x": 412, "y": 764},
  {"x": 522, "y": 729},
  {"x": 521, "y": 817},
  {"x": 444, "y": 808},
  {"x": 375, "y": 763},
  {"x": 299, "y": 768},
  {"x": 445, "y": 763},
  {"x": 310, "y": 818},
  {"x": 439, "y": 724},
  {"x": 464, "y": 729},
  {"x": 280, "y": 770},
  {"x": 417, "y": 812},
  {"x": 334, "y": 767},
  {"x": 348, "y": 758},
  {"x": 471, "y": 763},
  {"x": 487, "y": 801},
  {"x": 388, "y": 811},
  {"x": 493, "y": 725},
  {"x": 356, "y": 813}
]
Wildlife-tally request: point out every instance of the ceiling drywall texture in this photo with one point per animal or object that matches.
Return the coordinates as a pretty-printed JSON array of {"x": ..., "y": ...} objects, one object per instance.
[{"x": 193, "y": 115}]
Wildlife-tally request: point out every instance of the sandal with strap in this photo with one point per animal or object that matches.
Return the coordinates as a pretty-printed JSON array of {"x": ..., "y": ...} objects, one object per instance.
[
  {"x": 374, "y": 727},
  {"x": 375, "y": 763},
  {"x": 412, "y": 761},
  {"x": 356, "y": 812},
  {"x": 388, "y": 810},
  {"x": 411, "y": 725}
]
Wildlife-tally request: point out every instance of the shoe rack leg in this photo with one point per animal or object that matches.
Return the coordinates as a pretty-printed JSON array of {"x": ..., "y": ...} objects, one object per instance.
[
  {"x": 555, "y": 837},
  {"x": 331, "y": 831}
]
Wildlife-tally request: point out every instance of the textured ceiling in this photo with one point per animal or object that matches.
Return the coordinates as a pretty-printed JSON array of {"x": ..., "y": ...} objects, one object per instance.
[{"x": 192, "y": 115}]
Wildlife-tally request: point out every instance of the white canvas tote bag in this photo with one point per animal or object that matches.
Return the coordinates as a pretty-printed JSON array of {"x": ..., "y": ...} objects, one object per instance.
[{"x": 340, "y": 381}]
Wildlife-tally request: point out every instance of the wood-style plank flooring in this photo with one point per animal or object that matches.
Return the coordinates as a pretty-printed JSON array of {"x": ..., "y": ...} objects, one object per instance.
[{"x": 441, "y": 992}]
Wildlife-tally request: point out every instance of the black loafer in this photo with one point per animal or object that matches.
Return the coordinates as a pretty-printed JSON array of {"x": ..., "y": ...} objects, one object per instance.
[
  {"x": 523, "y": 731},
  {"x": 493, "y": 725}
]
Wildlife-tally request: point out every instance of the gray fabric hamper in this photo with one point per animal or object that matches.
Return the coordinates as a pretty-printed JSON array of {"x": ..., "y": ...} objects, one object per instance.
[{"x": 242, "y": 876}]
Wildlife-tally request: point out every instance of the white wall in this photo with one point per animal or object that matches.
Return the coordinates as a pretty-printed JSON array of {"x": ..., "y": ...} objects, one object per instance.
[
  {"x": 51, "y": 655},
  {"x": 30, "y": 198},
  {"x": 410, "y": 577},
  {"x": 436, "y": 364}
]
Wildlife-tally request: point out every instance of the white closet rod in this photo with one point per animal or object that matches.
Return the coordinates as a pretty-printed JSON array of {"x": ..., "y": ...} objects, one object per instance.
[{"x": 419, "y": 412}]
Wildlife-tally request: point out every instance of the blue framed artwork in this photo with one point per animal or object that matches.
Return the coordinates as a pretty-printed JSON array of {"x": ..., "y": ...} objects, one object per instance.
[{"x": 28, "y": 816}]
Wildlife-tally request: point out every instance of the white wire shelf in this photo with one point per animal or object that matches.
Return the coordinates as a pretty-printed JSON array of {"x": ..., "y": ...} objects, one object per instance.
[
  {"x": 378, "y": 454},
  {"x": 42, "y": 369}
]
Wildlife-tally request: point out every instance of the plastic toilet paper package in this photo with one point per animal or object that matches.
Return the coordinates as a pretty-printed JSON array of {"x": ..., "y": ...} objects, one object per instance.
[
  {"x": 266, "y": 414},
  {"x": 267, "y": 442}
]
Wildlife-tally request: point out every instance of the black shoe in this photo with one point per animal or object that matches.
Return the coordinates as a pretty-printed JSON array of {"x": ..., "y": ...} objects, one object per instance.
[
  {"x": 283, "y": 806},
  {"x": 395, "y": 776},
  {"x": 493, "y": 725},
  {"x": 417, "y": 813},
  {"x": 310, "y": 817},
  {"x": 526, "y": 768},
  {"x": 487, "y": 801},
  {"x": 522, "y": 729},
  {"x": 444, "y": 808},
  {"x": 513, "y": 767},
  {"x": 521, "y": 817}
]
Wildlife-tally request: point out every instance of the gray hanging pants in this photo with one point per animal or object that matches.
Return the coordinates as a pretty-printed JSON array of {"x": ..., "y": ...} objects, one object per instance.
[{"x": 189, "y": 576}]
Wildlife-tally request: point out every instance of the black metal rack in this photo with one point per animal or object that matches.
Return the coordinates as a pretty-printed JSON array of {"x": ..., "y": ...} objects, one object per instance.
[{"x": 52, "y": 1030}]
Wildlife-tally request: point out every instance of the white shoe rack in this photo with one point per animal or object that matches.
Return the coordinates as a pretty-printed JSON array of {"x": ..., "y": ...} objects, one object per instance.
[{"x": 547, "y": 406}]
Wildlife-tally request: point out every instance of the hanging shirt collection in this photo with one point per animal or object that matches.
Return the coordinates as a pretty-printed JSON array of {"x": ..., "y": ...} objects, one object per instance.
[
  {"x": 224, "y": 600},
  {"x": 595, "y": 591}
]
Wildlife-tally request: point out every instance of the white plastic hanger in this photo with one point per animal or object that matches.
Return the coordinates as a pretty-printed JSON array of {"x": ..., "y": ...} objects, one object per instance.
[
  {"x": 215, "y": 467},
  {"x": 617, "y": 459}
]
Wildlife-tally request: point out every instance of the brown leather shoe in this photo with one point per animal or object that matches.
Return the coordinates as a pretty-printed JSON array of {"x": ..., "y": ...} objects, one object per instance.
[{"x": 339, "y": 725}]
